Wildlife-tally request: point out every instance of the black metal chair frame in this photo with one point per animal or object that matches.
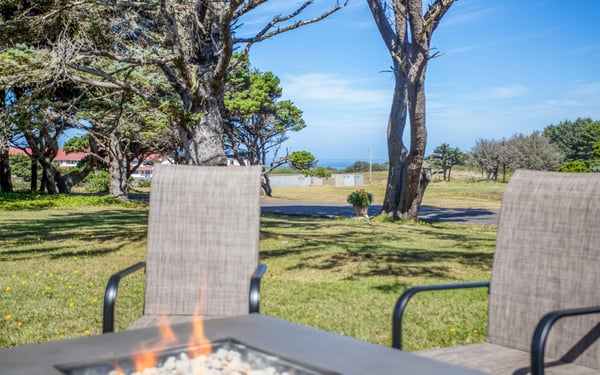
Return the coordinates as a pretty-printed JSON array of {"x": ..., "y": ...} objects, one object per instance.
[
  {"x": 110, "y": 295},
  {"x": 540, "y": 335}
]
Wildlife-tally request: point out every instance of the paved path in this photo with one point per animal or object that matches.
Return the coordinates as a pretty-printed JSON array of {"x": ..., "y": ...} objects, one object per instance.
[{"x": 427, "y": 213}]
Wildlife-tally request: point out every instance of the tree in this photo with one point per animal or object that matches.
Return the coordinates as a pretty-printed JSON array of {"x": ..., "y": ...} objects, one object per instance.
[
  {"x": 303, "y": 161},
  {"x": 446, "y": 157},
  {"x": 535, "y": 152},
  {"x": 407, "y": 32},
  {"x": 357, "y": 166},
  {"x": 190, "y": 43},
  {"x": 38, "y": 116},
  {"x": 567, "y": 135},
  {"x": 576, "y": 139},
  {"x": 256, "y": 121},
  {"x": 122, "y": 131},
  {"x": 486, "y": 156}
]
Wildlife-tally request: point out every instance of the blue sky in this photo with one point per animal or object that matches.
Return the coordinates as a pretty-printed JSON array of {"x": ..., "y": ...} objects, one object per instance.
[{"x": 507, "y": 67}]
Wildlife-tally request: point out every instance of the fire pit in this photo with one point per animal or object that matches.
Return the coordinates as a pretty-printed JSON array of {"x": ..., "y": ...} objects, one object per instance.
[
  {"x": 267, "y": 345},
  {"x": 226, "y": 357}
]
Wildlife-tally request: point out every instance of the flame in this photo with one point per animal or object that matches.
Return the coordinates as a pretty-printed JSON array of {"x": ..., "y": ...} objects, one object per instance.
[
  {"x": 118, "y": 370},
  {"x": 167, "y": 337},
  {"x": 198, "y": 343},
  {"x": 145, "y": 358}
]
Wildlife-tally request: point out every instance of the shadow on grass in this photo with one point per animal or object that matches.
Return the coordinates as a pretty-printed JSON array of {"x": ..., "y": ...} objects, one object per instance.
[
  {"x": 109, "y": 230},
  {"x": 362, "y": 253}
]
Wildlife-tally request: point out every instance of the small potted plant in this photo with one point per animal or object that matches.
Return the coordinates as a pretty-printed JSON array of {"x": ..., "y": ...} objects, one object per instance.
[{"x": 360, "y": 200}]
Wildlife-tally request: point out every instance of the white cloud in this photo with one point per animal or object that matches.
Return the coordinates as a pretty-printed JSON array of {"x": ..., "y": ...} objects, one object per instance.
[
  {"x": 504, "y": 92},
  {"x": 468, "y": 14},
  {"x": 587, "y": 88},
  {"x": 583, "y": 50},
  {"x": 332, "y": 90}
]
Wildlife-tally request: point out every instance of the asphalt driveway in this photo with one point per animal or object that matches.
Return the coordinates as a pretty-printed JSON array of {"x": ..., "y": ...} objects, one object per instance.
[{"x": 427, "y": 213}]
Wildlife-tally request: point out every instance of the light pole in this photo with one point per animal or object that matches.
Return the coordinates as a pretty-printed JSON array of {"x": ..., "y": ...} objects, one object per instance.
[{"x": 370, "y": 166}]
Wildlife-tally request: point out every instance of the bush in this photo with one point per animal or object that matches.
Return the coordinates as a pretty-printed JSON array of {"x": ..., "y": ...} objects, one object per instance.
[
  {"x": 97, "y": 182},
  {"x": 360, "y": 198},
  {"x": 34, "y": 200},
  {"x": 575, "y": 166}
]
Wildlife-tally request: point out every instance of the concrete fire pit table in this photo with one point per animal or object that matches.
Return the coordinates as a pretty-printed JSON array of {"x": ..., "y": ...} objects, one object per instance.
[{"x": 322, "y": 351}]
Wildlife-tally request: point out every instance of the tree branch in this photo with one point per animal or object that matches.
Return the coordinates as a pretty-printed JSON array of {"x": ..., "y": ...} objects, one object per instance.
[
  {"x": 110, "y": 81},
  {"x": 266, "y": 34}
]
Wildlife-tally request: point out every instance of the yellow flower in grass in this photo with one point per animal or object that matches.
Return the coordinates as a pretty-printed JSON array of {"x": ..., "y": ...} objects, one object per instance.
[
  {"x": 453, "y": 330},
  {"x": 61, "y": 336},
  {"x": 8, "y": 316},
  {"x": 48, "y": 288},
  {"x": 70, "y": 287},
  {"x": 88, "y": 332},
  {"x": 71, "y": 304},
  {"x": 50, "y": 275},
  {"x": 19, "y": 324},
  {"x": 475, "y": 330},
  {"x": 75, "y": 271},
  {"x": 23, "y": 282},
  {"x": 13, "y": 276},
  {"x": 7, "y": 289}
]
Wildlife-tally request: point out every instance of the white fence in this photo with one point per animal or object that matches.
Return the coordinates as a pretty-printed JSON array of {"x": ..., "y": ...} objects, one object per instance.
[{"x": 301, "y": 180}]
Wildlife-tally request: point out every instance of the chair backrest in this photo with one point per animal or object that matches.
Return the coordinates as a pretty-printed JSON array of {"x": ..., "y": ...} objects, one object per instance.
[
  {"x": 203, "y": 238},
  {"x": 547, "y": 258}
]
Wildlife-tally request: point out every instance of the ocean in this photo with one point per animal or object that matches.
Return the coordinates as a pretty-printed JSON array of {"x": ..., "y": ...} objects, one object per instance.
[{"x": 343, "y": 163}]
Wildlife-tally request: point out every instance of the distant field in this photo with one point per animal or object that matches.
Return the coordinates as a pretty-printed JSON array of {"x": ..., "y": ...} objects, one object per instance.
[{"x": 465, "y": 190}]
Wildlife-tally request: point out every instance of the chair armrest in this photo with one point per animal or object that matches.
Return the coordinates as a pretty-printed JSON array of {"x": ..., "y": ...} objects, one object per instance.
[
  {"x": 255, "y": 288},
  {"x": 409, "y": 293},
  {"x": 110, "y": 296},
  {"x": 542, "y": 330}
]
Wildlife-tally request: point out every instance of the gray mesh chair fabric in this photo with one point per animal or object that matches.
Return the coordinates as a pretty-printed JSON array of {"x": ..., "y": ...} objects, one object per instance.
[
  {"x": 547, "y": 258},
  {"x": 203, "y": 238}
]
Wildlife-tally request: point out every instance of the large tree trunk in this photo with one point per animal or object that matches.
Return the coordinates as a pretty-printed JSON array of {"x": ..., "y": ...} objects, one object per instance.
[
  {"x": 266, "y": 185},
  {"x": 397, "y": 152},
  {"x": 50, "y": 175},
  {"x": 409, "y": 50},
  {"x": 118, "y": 168},
  {"x": 203, "y": 144},
  {"x": 414, "y": 187},
  {"x": 5, "y": 174},
  {"x": 34, "y": 172}
]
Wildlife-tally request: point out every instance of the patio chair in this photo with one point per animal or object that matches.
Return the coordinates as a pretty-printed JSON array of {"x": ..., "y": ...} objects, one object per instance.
[
  {"x": 544, "y": 298},
  {"x": 203, "y": 234}
]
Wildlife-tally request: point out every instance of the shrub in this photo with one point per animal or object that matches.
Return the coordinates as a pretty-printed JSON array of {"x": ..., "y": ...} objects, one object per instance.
[
  {"x": 575, "y": 166},
  {"x": 360, "y": 198},
  {"x": 97, "y": 182}
]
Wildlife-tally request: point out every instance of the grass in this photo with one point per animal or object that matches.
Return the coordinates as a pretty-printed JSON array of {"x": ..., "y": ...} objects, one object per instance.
[
  {"x": 340, "y": 275},
  {"x": 465, "y": 190}
]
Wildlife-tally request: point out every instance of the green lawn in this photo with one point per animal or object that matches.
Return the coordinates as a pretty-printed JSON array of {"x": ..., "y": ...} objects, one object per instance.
[{"x": 341, "y": 275}]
